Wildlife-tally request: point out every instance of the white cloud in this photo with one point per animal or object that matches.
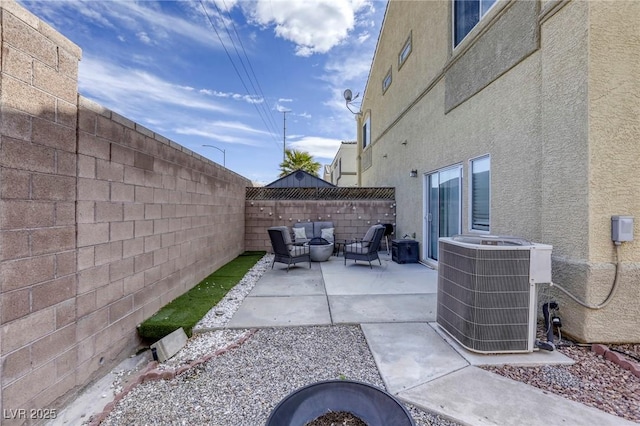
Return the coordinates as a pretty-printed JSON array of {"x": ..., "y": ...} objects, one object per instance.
[
  {"x": 315, "y": 26},
  {"x": 134, "y": 91},
  {"x": 319, "y": 147},
  {"x": 144, "y": 37},
  {"x": 231, "y": 132}
]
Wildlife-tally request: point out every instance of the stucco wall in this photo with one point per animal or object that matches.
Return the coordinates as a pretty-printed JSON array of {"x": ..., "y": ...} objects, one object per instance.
[
  {"x": 557, "y": 113},
  {"x": 102, "y": 221}
]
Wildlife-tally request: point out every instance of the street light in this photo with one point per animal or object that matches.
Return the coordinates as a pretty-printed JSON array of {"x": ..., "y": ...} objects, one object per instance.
[{"x": 224, "y": 155}]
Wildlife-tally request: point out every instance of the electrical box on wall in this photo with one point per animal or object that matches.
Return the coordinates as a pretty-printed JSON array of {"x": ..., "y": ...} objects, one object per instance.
[{"x": 621, "y": 228}]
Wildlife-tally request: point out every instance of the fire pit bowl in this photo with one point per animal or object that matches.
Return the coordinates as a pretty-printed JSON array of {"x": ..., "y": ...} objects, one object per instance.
[{"x": 372, "y": 405}]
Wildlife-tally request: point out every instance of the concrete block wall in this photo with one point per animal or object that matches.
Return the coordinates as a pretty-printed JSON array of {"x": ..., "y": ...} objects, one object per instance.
[
  {"x": 102, "y": 222},
  {"x": 351, "y": 218}
]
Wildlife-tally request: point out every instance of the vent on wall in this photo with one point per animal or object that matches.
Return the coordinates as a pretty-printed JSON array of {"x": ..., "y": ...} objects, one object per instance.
[{"x": 487, "y": 291}]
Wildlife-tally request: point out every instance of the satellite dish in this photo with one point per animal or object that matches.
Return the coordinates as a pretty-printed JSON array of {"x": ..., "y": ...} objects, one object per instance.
[{"x": 347, "y": 95}]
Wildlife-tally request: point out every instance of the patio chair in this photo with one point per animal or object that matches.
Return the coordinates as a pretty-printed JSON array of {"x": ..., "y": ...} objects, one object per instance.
[
  {"x": 367, "y": 248},
  {"x": 284, "y": 250}
]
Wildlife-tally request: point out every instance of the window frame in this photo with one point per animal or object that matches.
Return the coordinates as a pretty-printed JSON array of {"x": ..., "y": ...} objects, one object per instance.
[
  {"x": 388, "y": 77},
  {"x": 471, "y": 203},
  {"x": 481, "y": 14},
  {"x": 366, "y": 132},
  {"x": 408, "y": 44}
]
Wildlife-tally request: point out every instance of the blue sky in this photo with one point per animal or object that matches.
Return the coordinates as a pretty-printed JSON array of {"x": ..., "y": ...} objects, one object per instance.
[{"x": 163, "y": 65}]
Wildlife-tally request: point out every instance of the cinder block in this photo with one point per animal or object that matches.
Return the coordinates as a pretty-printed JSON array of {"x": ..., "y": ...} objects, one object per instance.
[
  {"x": 15, "y": 274},
  {"x": 143, "y": 194},
  {"x": 50, "y": 81},
  {"x": 49, "y": 133},
  {"x": 122, "y": 192},
  {"x": 143, "y": 228},
  {"x": 92, "y": 234},
  {"x": 94, "y": 190},
  {"x": 133, "y": 211},
  {"x": 17, "y": 95},
  {"x": 92, "y": 146},
  {"x": 65, "y": 213},
  {"x": 53, "y": 292},
  {"x": 66, "y": 164},
  {"x": 169, "y": 345},
  {"x": 66, "y": 263},
  {"x": 14, "y": 184},
  {"x": 22, "y": 155},
  {"x": 52, "y": 345},
  {"x": 122, "y": 155},
  {"x": 15, "y": 304},
  {"x": 108, "y": 170},
  {"x": 109, "y": 212},
  {"x": 132, "y": 247},
  {"x": 90, "y": 279},
  {"x": 16, "y": 214},
  {"x": 21, "y": 332},
  {"x": 52, "y": 240},
  {"x": 16, "y": 364},
  {"x": 86, "y": 303},
  {"x": 15, "y": 245},
  {"x": 65, "y": 313},
  {"x": 109, "y": 129},
  {"x": 120, "y": 269}
]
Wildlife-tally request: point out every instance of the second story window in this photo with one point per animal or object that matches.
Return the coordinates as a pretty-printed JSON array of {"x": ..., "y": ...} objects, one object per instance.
[
  {"x": 466, "y": 15},
  {"x": 366, "y": 132},
  {"x": 386, "y": 81},
  {"x": 405, "y": 52}
]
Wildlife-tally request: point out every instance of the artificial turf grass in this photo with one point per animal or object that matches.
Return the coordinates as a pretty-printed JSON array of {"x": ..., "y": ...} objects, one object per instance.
[{"x": 185, "y": 311}]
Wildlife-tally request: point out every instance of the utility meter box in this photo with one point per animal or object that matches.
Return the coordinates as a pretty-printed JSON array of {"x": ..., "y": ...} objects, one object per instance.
[{"x": 621, "y": 228}]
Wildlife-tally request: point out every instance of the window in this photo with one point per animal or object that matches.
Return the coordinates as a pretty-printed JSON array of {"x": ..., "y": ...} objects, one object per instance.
[
  {"x": 366, "y": 133},
  {"x": 480, "y": 193},
  {"x": 405, "y": 52},
  {"x": 386, "y": 82},
  {"x": 466, "y": 15}
]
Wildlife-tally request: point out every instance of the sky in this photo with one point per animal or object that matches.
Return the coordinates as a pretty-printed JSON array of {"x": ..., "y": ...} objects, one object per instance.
[{"x": 222, "y": 72}]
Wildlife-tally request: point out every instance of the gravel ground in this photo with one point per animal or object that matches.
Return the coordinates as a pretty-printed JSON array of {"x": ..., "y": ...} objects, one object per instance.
[
  {"x": 592, "y": 380},
  {"x": 243, "y": 385}
]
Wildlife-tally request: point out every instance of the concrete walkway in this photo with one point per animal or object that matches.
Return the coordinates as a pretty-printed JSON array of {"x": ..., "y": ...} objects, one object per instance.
[{"x": 396, "y": 308}]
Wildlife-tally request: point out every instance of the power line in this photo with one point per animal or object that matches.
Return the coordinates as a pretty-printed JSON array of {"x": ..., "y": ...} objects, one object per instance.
[
  {"x": 235, "y": 68},
  {"x": 255, "y": 77}
]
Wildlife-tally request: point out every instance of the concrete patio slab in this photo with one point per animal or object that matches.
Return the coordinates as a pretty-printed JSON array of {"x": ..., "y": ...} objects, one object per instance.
[
  {"x": 410, "y": 354},
  {"x": 477, "y": 397},
  {"x": 256, "y": 312},
  {"x": 308, "y": 283},
  {"x": 383, "y": 308}
]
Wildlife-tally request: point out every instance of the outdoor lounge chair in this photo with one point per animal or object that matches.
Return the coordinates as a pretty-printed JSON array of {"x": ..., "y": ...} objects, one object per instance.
[
  {"x": 367, "y": 248},
  {"x": 284, "y": 250}
]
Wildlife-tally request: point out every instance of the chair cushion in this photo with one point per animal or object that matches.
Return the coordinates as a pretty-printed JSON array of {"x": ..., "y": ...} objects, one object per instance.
[
  {"x": 299, "y": 234},
  {"x": 285, "y": 232},
  {"x": 355, "y": 248},
  {"x": 327, "y": 234},
  {"x": 308, "y": 228},
  {"x": 319, "y": 226},
  {"x": 298, "y": 250},
  {"x": 366, "y": 240}
]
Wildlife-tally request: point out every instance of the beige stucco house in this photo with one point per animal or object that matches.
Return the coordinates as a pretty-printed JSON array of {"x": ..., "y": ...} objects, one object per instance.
[
  {"x": 342, "y": 170},
  {"x": 515, "y": 118}
]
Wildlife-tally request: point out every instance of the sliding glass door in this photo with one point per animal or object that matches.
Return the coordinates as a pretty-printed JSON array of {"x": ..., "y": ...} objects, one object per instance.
[{"x": 443, "y": 196}]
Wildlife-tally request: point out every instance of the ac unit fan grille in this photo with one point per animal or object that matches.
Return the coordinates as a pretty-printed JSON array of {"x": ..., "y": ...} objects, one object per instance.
[{"x": 484, "y": 297}]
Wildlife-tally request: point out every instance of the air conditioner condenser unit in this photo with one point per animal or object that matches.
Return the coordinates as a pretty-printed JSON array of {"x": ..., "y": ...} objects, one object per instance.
[{"x": 487, "y": 298}]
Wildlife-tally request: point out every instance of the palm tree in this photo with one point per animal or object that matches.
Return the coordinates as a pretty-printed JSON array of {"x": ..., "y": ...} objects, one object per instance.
[{"x": 299, "y": 160}]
